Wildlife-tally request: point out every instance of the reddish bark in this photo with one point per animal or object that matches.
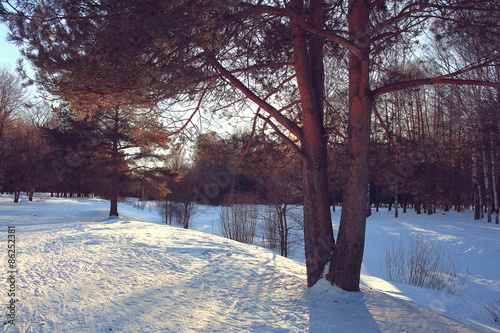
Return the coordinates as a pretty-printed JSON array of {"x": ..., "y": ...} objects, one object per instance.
[
  {"x": 318, "y": 231},
  {"x": 347, "y": 257}
]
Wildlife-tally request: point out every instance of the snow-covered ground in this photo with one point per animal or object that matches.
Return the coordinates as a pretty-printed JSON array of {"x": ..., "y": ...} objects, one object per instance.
[{"x": 79, "y": 271}]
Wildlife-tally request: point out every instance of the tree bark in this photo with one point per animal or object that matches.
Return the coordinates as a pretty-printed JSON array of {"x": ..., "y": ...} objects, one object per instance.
[
  {"x": 345, "y": 267},
  {"x": 318, "y": 230}
]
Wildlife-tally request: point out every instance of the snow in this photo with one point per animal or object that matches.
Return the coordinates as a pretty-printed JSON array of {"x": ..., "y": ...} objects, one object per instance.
[{"x": 80, "y": 271}]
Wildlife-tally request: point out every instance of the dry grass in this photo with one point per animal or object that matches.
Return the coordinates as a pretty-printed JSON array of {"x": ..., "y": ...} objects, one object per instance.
[{"x": 491, "y": 309}]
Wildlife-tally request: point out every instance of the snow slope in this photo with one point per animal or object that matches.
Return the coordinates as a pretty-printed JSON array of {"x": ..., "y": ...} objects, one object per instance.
[{"x": 79, "y": 271}]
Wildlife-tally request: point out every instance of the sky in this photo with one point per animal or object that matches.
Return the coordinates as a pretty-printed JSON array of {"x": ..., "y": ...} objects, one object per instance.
[{"x": 8, "y": 51}]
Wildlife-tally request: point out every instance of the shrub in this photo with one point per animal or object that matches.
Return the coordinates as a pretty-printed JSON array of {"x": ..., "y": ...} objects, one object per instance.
[
  {"x": 270, "y": 234},
  {"x": 176, "y": 212},
  {"x": 239, "y": 222},
  {"x": 423, "y": 264}
]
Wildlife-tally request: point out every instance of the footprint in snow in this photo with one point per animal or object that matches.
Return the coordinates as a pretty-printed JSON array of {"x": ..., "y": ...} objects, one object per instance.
[{"x": 92, "y": 242}]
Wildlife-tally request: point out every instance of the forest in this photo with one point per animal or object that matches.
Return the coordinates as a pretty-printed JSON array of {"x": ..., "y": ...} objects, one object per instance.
[{"x": 361, "y": 103}]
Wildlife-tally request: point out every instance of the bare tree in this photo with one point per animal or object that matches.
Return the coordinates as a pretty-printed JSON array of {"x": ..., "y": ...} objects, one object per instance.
[{"x": 12, "y": 98}]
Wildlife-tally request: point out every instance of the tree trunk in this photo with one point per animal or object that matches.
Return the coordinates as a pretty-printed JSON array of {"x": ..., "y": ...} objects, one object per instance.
[
  {"x": 396, "y": 203},
  {"x": 308, "y": 52},
  {"x": 17, "y": 194},
  {"x": 31, "y": 193},
  {"x": 318, "y": 231},
  {"x": 368, "y": 202},
  {"x": 113, "y": 211},
  {"x": 185, "y": 220},
  {"x": 282, "y": 228},
  {"x": 487, "y": 185},
  {"x": 285, "y": 232},
  {"x": 345, "y": 266},
  {"x": 478, "y": 201},
  {"x": 493, "y": 182}
]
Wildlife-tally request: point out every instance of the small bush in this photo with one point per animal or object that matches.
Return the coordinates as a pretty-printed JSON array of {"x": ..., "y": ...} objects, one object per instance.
[
  {"x": 239, "y": 222},
  {"x": 491, "y": 309},
  {"x": 270, "y": 236},
  {"x": 176, "y": 212},
  {"x": 423, "y": 264}
]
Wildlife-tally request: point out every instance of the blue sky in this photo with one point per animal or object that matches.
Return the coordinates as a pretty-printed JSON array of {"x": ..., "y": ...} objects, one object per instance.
[{"x": 8, "y": 52}]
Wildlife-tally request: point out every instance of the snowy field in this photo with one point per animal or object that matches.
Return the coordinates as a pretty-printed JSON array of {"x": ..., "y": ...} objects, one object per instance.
[{"x": 79, "y": 271}]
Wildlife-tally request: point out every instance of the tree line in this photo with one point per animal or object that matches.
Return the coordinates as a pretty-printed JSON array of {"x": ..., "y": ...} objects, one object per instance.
[{"x": 340, "y": 82}]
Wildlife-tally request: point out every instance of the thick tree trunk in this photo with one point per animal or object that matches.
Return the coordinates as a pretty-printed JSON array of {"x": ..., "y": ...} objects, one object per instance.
[
  {"x": 308, "y": 52},
  {"x": 318, "y": 231},
  {"x": 345, "y": 267}
]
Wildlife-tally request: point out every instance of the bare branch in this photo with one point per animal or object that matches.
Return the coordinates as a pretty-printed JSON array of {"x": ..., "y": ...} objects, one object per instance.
[
  {"x": 254, "y": 125},
  {"x": 287, "y": 140},
  {"x": 197, "y": 109},
  {"x": 431, "y": 81},
  {"x": 389, "y": 137},
  {"x": 273, "y": 112}
]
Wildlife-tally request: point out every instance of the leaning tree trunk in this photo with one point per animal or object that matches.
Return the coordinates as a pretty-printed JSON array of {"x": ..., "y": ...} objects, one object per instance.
[{"x": 345, "y": 266}]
